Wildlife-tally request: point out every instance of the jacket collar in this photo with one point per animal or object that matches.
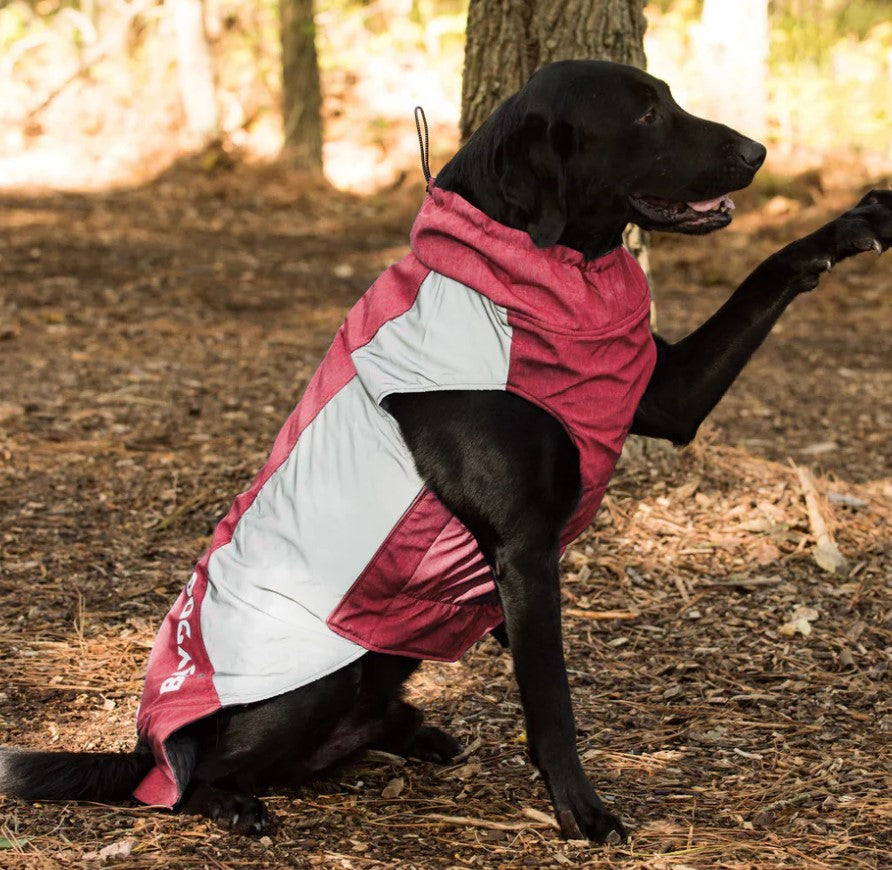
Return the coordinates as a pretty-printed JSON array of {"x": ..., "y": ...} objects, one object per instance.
[{"x": 555, "y": 285}]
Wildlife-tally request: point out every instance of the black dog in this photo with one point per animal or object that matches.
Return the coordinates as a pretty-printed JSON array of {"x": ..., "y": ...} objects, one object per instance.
[{"x": 583, "y": 149}]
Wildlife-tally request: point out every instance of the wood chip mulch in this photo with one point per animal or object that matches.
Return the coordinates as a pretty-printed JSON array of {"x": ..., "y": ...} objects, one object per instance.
[{"x": 732, "y": 695}]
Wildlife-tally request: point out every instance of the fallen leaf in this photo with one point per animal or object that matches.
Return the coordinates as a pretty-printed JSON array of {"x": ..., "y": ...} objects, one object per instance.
[
  {"x": 12, "y": 844},
  {"x": 660, "y": 829},
  {"x": 800, "y": 621},
  {"x": 759, "y": 524},
  {"x": 118, "y": 849},
  {"x": 686, "y": 490},
  {"x": 763, "y": 819},
  {"x": 467, "y": 771},
  {"x": 765, "y": 553},
  {"x": 394, "y": 788},
  {"x": 829, "y": 558}
]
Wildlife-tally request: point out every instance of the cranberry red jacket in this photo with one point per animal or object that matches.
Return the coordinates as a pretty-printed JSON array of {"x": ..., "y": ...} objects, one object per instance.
[{"x": 338, "y": 547}]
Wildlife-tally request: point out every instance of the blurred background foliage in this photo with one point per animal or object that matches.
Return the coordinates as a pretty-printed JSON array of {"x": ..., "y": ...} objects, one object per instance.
[
  {"x": 89, "y": 93},
  {"x": 828, "y": 74}
]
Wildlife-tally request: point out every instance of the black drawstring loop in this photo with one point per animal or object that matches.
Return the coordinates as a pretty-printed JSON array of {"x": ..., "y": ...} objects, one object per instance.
[{"x": 423, "y": 143}]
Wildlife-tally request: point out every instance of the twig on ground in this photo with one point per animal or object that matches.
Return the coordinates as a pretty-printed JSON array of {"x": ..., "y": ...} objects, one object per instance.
[
  {"x": 826, "y": 552},
  {"x": 601, "y": 614},
  {"x": 468, "y": 822}
]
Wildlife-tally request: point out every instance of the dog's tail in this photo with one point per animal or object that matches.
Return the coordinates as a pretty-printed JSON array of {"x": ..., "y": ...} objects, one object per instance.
[{"x": 90, "y": 776}]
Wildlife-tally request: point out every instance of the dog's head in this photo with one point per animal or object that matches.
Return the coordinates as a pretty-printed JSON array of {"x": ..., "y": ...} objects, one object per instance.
[{"x": 588, "y": 146}]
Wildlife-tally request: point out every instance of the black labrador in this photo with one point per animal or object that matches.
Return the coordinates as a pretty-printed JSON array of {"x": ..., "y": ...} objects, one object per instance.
[{"x": 583, "y": 149}]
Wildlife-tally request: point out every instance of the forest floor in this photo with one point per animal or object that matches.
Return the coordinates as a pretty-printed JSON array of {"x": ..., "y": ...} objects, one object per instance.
[{"x": 736, "y": 711}]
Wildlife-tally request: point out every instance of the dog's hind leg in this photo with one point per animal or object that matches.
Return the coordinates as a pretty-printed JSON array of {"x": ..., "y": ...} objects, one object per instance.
[
  {"x": 430, "y": 743},
  {"x": 247, "y": 749},
  {"x": 405, "y": 734},
  {"x": 239, "y": 812},
  {"x": 287, "y": 739},
  {"x": 403, "y": 730},
  {"x": 381, "y": 719}
]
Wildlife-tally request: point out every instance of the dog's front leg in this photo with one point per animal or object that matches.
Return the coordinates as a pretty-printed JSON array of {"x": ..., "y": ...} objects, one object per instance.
[
  {"x": 527, "y": 578},
  {"x": 510, "y": 473},
  {"x": 693, "y": 374}
]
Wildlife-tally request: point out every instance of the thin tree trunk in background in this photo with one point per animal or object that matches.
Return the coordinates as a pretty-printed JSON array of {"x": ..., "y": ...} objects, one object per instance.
[
  {"x": 732, "y": 51},
  {"x": 508, "y": 40},
  {"x": 196, "y": 71},
  {"x": 301, "y": 92}
]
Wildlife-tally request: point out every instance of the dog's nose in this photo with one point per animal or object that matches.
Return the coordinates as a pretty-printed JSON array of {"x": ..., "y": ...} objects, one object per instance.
[{"x": 752, "y": 153}]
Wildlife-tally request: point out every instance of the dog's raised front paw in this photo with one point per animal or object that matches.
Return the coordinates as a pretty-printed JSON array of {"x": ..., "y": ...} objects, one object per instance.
[{"x": 866, "y": 227}]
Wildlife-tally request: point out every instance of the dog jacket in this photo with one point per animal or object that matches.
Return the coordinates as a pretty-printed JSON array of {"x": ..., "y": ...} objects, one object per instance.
[{"x": 338, "y": 547}]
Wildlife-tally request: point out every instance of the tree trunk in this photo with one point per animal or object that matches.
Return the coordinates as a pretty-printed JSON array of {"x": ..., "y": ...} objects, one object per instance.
[
  {"x": 196, "y": 71},
  {"x": 508, "y": 40},
  {"x": 301, "y": 92}
]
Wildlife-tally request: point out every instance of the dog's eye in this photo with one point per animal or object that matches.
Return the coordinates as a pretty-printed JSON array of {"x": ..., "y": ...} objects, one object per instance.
[{"x": 649, "y": 117}]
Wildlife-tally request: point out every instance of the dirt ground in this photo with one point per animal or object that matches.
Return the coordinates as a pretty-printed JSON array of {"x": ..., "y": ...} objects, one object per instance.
[{"x": 734, "y": 709}]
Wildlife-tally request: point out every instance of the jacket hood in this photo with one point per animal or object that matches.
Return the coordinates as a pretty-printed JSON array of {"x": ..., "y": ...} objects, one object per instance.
[{"x": 555, "y": 286}]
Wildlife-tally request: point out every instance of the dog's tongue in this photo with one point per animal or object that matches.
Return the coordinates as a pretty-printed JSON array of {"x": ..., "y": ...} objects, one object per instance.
[{"x": 710, "y": 204}]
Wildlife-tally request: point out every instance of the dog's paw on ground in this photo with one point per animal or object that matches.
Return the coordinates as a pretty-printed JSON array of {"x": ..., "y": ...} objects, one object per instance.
[
  {"x": 432, "y": 744},
  {"x": 239, "y": 813}
]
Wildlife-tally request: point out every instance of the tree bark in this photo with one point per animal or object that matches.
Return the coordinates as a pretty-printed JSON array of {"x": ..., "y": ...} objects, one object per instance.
[
  {"x": 508, "y": 40},
  {"x": 301, "y": 91},
  {"x": 196, "y": 71}
]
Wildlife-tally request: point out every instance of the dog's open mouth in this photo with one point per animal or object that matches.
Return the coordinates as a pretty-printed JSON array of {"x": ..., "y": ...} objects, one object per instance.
[{"x": 702, "y": 216}]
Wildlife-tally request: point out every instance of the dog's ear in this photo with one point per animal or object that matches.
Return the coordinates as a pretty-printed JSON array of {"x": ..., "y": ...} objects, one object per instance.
[{"x": 530, "y": 166}]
